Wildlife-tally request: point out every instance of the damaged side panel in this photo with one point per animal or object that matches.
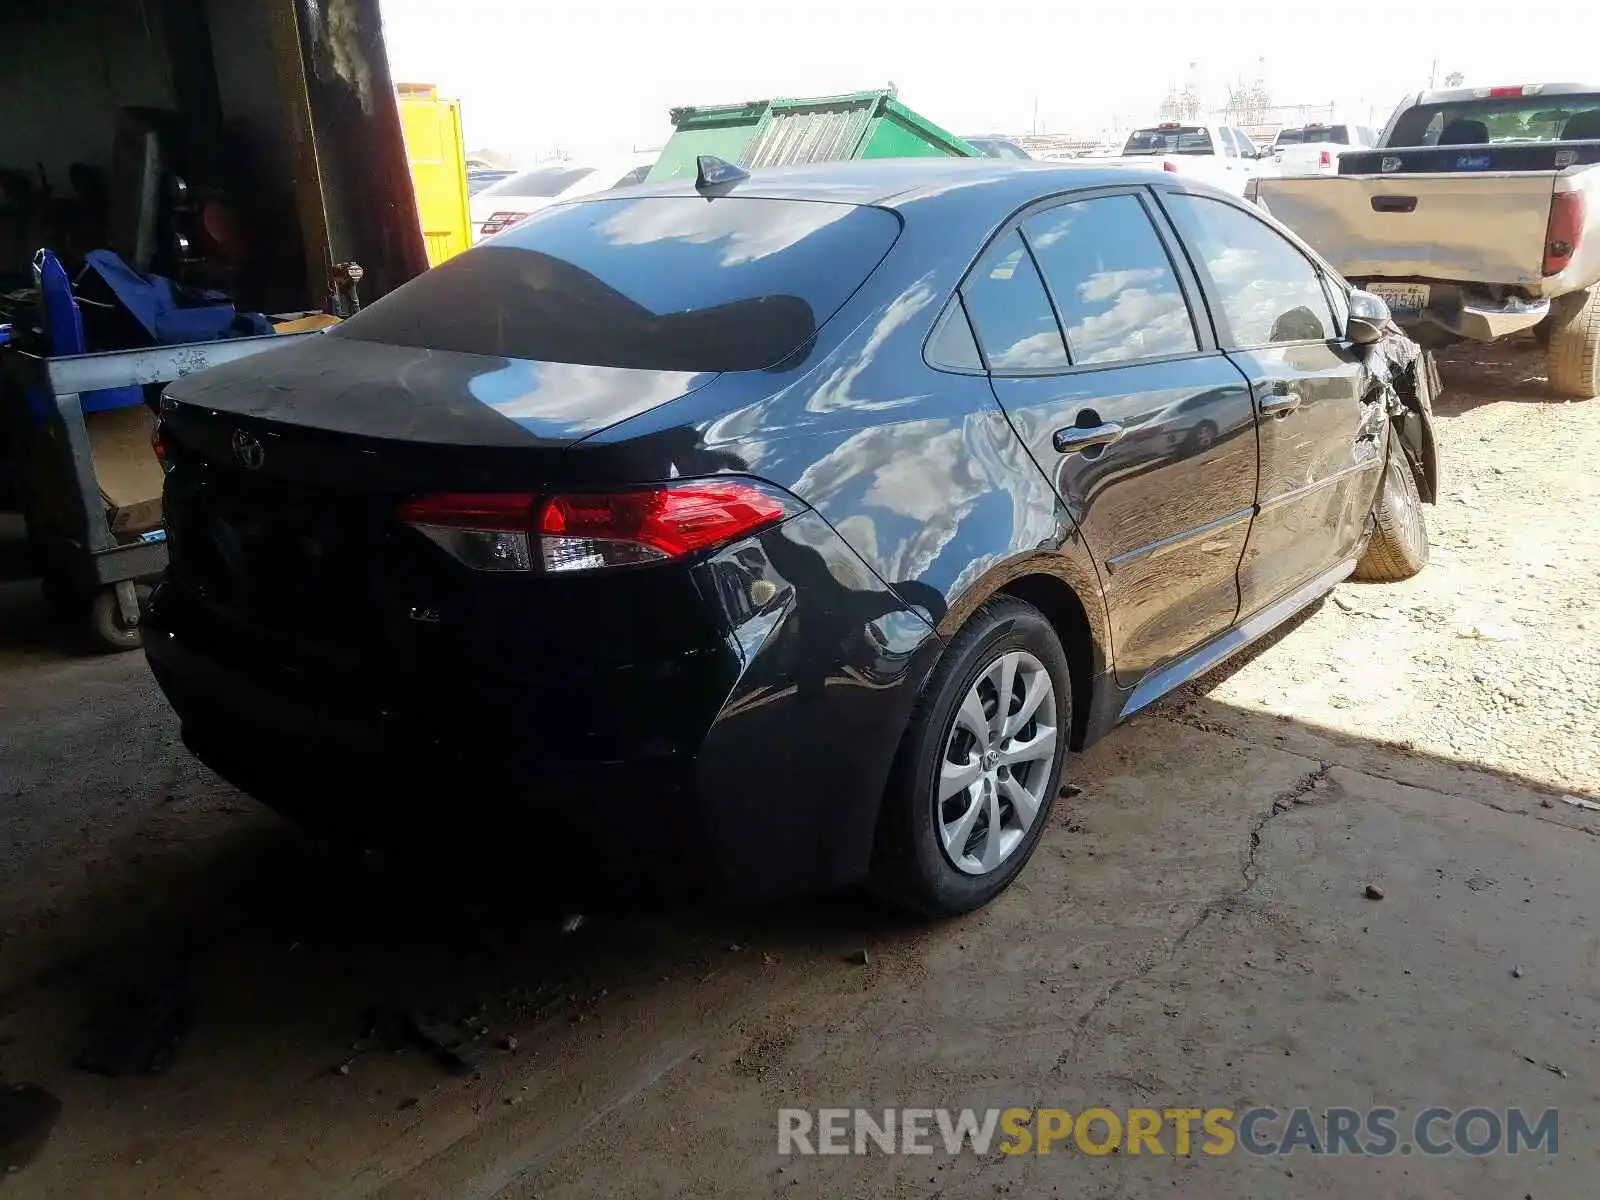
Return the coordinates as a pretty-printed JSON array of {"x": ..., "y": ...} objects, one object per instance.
[{"x": 1408, "y": 379}]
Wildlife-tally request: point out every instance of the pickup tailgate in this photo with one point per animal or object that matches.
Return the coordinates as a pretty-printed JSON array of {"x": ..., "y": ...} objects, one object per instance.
[{"x": 1472, "y": 227}]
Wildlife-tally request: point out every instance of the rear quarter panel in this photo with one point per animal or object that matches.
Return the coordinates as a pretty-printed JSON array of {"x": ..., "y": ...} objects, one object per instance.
[{"x": 917, "y": 469}]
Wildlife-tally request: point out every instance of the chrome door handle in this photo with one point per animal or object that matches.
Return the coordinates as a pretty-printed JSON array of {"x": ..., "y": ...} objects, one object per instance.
[
  {"x": 1280, "y": 405},
  {"x": 1086, "y": 437}
]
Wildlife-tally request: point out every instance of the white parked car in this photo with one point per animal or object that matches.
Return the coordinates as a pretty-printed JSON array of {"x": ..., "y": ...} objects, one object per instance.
[
  {"x": 1313, "y": 149},
  {"x": 1222, "y": 155},
  {"x": 520, "y": 195}
]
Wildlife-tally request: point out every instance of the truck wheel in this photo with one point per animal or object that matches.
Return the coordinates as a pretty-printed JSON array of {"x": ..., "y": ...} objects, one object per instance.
[
  {"x": 1398, "y": 548},
  {"x": 1573, "y": 357}
]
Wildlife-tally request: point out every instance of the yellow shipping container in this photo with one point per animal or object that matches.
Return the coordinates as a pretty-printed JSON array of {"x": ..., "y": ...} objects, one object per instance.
[{"x": 431, "y": 127}]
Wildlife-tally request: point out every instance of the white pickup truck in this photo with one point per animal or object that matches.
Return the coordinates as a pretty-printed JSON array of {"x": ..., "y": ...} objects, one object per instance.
[
  {"x": 1476, "y": 216},
  {"x": 1222, "y": 155},
  {"x": 1309, "y": 149}
]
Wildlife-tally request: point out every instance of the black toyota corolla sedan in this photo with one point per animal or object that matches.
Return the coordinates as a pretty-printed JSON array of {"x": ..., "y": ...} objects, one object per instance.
[{"x": 776, "y": 530}]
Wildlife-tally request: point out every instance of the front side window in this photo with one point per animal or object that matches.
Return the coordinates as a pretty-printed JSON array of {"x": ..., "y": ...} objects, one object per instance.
[
  {"x": 1010, "y": 311},
  {"x": 1112, "y": 281},
  {"x": 667, "y": 283},
  {"x": 1269, "y": 291}
]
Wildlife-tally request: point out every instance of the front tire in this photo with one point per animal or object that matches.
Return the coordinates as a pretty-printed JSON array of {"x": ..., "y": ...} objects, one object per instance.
[
  {"x": 1572, "y": 356},
  {"x": 1398, "y": 548},
  {"x": 980, "y": 764}
]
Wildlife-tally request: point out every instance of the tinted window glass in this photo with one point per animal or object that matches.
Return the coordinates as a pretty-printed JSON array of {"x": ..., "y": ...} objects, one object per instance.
[
  {"x": 1169, "y": 139},
  {"x": 541, "y": 181},
  {"x": 1338, "y": 134},
  {"x": 1112, "y": 280},
  {"x": 632, "y": 177},
  {"x": 1247, "y": 147},
  {"x": 1230, "y": 148},
  {"x": 1269, "y": 291},
  {"x": 1011, "y": 312},
  {"x": 1503, "y": 119},
  {"x": 951, "y": 344},
  {"x": 660, "y": 282},
  {"x": 477, "y": 181}
]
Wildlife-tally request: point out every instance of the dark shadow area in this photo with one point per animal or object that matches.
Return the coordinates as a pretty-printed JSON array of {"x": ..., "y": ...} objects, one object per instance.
[{"x": 254, "y": 943}]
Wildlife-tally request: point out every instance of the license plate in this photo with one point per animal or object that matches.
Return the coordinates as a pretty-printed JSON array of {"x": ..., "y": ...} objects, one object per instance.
[{"x": 1403, "y": 299}]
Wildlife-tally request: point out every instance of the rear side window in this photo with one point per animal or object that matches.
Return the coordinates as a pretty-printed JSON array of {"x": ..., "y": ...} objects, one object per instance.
[
  {"x": 1269, "y": 291},
  {"x": 1010, "y": 311},
  {"x": 1112, "y": 280},
  {"x": 952, "y": 344},
  {"x": 672, "y": 283}
]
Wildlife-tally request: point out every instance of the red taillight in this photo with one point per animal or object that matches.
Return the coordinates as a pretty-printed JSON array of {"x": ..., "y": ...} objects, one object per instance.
[
  {"x": 1325, "y": 159},
  {"x": 1562, "y": 233},
  {"x": 583, "y": 531},
  {"x": 1168, "y": 165},
  {"x": 1496, "y": 92},
  {"x": 487, "y": 532},
  {"x": 501, "y": 221},
  {"x": 158, "y": 443},
  {"x": 504, "y": 511}
]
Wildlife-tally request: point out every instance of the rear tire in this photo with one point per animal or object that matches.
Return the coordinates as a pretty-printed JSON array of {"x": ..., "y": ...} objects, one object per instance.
[
  {"x": 1572, "y": 358},
  {"x": 1398, "y": 548},
  {"x": 999, "y": 757}
]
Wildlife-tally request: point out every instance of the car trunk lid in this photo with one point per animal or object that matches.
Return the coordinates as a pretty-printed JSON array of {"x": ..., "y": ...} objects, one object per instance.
[{"x": 287, "y": 478}]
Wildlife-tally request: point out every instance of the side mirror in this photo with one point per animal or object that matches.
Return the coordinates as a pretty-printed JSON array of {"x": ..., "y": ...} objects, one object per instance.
[{"x": 1369, "y": 316}]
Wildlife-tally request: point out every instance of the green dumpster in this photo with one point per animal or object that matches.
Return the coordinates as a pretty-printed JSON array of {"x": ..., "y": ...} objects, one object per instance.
[{"x": 769, "y": 133}]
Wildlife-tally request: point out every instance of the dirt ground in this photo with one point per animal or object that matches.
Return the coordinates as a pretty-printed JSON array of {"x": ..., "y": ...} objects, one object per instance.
[{"x": 1194, "y": 930}]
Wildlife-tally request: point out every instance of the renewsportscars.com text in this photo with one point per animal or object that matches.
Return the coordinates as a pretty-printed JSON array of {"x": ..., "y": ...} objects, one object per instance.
[{"x": 1379, "y": 1131}]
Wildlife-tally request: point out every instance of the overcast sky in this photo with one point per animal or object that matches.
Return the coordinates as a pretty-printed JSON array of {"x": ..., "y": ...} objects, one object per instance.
[{"x": 588, "y": 75}]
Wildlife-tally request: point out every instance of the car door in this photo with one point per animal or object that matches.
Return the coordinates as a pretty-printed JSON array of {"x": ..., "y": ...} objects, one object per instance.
[
  {"x": 1145, "y": 430},
  {"x": 1318, "y": 440}
]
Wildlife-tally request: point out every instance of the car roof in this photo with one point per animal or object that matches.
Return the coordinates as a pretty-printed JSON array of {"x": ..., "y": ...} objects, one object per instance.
[
  {"x": 898, "y": 182},
  {"x": 1454, "y": 95}
]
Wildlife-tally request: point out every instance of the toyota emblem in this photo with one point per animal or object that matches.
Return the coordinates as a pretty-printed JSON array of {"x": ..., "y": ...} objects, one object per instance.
[{"x": 247, "y": 448}]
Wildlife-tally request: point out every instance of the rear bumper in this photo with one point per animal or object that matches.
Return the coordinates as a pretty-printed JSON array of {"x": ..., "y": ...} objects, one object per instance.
[
  {"x": 773, "y": 753},
  {"x": 1460, "y": 311}
]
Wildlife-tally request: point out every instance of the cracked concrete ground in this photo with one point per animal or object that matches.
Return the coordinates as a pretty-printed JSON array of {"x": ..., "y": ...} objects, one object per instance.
[{"x": 1193, "y": 932}]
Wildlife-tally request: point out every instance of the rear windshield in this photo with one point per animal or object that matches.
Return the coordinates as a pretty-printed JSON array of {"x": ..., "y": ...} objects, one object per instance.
[
  {"x": 672, "y": 283},
  {"x": 1176, "y": 139},
  {"x": 1339, "y": 135},
  {"x": 997, "y": 147},
  {"x": 542, "y": 181},
  {"x": 477, "y": 181},
  {"x": 1500, "y": 119}
]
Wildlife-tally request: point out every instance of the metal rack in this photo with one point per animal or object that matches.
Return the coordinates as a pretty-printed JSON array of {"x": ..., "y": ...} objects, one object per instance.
[{"x": 86, "y": 567}]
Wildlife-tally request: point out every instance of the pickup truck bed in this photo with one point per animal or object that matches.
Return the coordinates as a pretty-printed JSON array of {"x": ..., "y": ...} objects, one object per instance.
[
  {"x": 1489, "y": 229},
  {"x": 1471, "y": 241},
  {"x": 1435, "y": 160},
  {"x": 1476, "y": 216}
]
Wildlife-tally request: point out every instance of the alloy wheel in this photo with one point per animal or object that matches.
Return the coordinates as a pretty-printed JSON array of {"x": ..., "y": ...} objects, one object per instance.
[{"x": 996, "y": 763}]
